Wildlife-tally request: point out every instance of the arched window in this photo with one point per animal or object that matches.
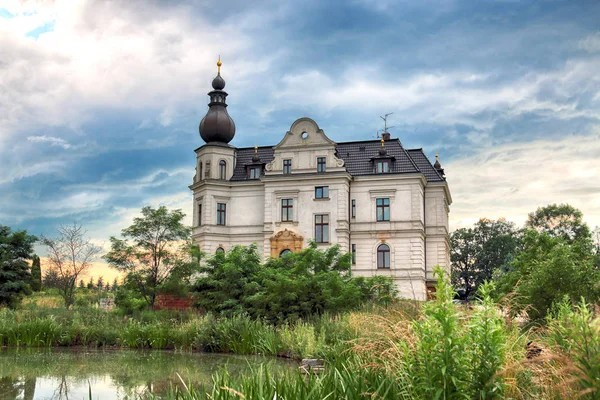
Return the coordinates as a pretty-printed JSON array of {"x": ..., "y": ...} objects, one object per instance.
[
  {"x": 222, "y": 169},
  {"x": 383, "y": 256},
  {"x": 220, "y": 250},
  {"x": 284, "y": 252}
]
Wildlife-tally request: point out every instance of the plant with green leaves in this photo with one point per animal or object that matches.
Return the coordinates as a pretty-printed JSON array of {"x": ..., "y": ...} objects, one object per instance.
[
  {"x": 15, "y": 248},
  {"x": 577, "y": 333},
  {"x": 154, "y": 249},
  {"x": 36, "y": 274},
  {"x": 547, "y": 269}
]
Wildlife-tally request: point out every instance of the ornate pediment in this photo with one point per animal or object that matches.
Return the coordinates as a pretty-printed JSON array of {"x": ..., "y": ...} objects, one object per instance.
[{"x": 285, "y": 240}]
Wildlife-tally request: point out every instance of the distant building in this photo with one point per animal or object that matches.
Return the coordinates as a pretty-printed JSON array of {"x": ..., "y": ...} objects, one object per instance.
[{"x": 385, "y": 204}]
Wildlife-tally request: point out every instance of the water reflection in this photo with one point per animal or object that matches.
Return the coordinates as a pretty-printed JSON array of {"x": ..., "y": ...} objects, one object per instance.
[{"x": 112, "y": 374}]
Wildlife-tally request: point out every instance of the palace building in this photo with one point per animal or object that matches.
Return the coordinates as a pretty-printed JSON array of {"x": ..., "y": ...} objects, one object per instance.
[{"x": 385, "y": 204}]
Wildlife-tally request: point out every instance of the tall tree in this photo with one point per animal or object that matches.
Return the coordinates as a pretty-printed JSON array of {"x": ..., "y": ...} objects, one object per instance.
[
  {"x": 100, "y": 283},
  {"x": 36, "y": 274},
  {"x": 70, "y": 254},
  {"x": 15, "y": 249},
  {"x": 154, "y": 248},
  {"x": 477, "y": 252},
  {"x": 547, "y": 269},
  {"x": 563, "y": 221}
]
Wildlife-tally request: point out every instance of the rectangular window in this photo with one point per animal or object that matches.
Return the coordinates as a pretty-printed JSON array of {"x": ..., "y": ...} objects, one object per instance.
[
  {"x": 287, "y": 167},
  {"x": 321, "y": 164},
  {"x": 253, "y": 173},
  {"x": 383, "y": 209},
  {"x": 322, "y": 192},
  {"x": 353, "y": 254},
  {"x": 221, "y": 213},
  {"x": 199, "y": 214},
  {"x": 383, "y": 166},
  {"x": 353, "y": 208},
  {"x": 287, "y": 210},
  {"x": 322, "y": 228}
]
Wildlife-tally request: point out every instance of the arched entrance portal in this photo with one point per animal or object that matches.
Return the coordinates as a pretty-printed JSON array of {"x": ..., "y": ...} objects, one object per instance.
[{"x": 285, "y": 240}]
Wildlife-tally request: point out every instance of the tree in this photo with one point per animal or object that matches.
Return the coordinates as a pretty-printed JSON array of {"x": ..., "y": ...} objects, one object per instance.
[
  {"x": 564, "y": 221},
  {"x": 115, "y": 285},
  {"x": 477, "y": 252},
  {"x": 100, "y": 283},
  {"x": 70, "y": 255},
  {"x": 155, "y": 248},
  {"x": 298, "y": 285},
  {"x": 545, "y": 271},
  {"x": 51, "y": 279},
  {"x": 90, "y": 284},
  {"x": 15, "y": 248},
  {"x": 36, "y": 274},
  {"x": 81, "y": 284}
]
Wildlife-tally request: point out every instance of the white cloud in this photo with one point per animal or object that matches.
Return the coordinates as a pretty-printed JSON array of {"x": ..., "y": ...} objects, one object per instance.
[
  {"x": 54, "y": 141},
  {"x": 511, "y": 180},
  {"x": 591, "y": 43}
]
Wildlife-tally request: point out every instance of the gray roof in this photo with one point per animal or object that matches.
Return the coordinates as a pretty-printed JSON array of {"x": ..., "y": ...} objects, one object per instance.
[
  {"x": 358, "y": 159},
  {"x": 425, "y": 166}
]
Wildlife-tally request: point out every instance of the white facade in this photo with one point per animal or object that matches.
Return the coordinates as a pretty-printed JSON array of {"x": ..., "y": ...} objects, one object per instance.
[{"x": 415, "y": 227}]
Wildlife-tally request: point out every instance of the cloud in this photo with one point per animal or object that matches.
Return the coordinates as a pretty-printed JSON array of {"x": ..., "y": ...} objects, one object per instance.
[
  {"x": 591, "y": 43},
  {"x": 514, "y": 179},
  {"x": 54, "y": 141}
]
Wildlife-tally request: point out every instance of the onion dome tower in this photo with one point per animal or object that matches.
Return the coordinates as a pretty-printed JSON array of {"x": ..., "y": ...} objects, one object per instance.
[{"x": 217, "y": 126}]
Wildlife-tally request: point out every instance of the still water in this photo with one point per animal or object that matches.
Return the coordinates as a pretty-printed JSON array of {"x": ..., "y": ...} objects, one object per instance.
[{"x": 112, "y": 374}]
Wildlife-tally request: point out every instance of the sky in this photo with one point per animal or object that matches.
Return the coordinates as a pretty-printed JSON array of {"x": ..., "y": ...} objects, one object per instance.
[{"x": 100, "y": 101}]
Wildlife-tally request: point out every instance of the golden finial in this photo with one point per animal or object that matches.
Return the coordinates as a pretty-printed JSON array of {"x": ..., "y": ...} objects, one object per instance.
[
  {"x": 219, "y": 63},
  {"x": 382, "y": 142},
  {"x": 255, "y": 149},
  {"x": 437, "y": 157}
]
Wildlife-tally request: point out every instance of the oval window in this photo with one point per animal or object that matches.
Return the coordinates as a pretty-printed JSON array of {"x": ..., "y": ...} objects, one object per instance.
[{"x": 304, "y": 135}]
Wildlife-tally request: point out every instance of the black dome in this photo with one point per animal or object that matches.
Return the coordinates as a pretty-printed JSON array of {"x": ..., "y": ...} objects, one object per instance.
[
  {"x": 217, "y": 125},
  {"x": 218, "y": 83}
]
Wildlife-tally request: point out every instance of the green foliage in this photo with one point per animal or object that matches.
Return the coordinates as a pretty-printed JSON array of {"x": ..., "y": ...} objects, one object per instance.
[
  {"x": 155, "y": 250},
  {"x": 477, "y": 252},
  {"x": 561, "y": 221},
  {"x": 451, "y": 362},
  {"x": 296, "y": 286},
  {"x": 15, "y": 249},
  {"x": 547, "y": 269},
  {"x": 36, "y": 274},
  {"x": 577, "y": 333}
]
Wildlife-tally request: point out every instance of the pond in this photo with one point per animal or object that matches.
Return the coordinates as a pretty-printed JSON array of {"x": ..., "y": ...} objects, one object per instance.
[{"x": 113, "y": 374}]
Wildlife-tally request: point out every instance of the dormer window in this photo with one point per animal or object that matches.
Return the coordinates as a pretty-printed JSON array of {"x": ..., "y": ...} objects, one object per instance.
[
  {"x": 254, "y": 173},
  {"x": 382, "y": 166}
]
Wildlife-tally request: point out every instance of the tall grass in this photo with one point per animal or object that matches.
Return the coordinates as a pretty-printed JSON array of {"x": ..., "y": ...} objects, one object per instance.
[{"x": 240, "y": 334}]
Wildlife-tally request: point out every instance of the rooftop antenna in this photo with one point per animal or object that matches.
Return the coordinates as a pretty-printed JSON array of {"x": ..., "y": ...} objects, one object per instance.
[{"x": 385, "y": 127}]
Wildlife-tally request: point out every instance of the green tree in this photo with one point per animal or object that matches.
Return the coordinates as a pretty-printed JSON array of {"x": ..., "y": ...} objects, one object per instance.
[
  {"x": 70, "y": 255},
  {"x": 298, "y": 285},
  {"x": 100, "y": 283},
  {"x": 115, "y": 284},
  {"x": 90, "y": 284},
  {"x": 81, "y": 284},
  {"x": 155, "y": 247},
  {"x": 15, "y": 248},
  {"x": 547, "y": 269},
  {"x": 563, "y": 221},
  {"x": 36, "y": 274},
  {"x": 477, "y": 252},
  {"x": 51, "y": 279}
]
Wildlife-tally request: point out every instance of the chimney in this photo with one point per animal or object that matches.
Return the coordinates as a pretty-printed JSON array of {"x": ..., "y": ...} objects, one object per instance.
[{"x": 385, "y": 136}]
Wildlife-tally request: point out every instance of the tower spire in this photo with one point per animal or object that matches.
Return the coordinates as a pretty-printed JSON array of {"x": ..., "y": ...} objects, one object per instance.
[{"x": 217, "y": 126}]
